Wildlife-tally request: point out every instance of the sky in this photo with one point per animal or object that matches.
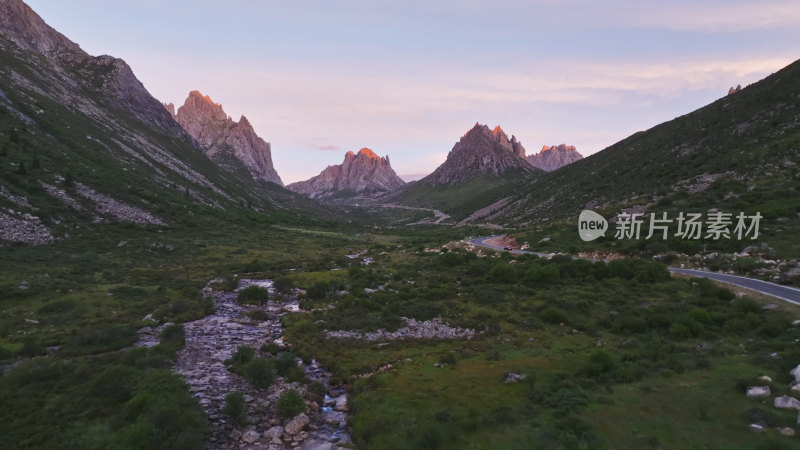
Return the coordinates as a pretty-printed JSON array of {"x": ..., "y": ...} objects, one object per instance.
[{"x": 408, "y": 79}]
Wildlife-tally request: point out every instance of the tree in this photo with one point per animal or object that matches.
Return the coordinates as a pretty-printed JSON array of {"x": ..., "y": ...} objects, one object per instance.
[
  {"x": 261, "y": 372},
  {"x": 503, "y": 272}
]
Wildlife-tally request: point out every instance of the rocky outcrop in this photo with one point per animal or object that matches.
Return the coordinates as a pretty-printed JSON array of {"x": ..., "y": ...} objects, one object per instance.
[
  {"x": 224, "y": 140},
  {"x": 362, "y": 173},
  {"x": 555, "y": 157},
  {"x": 480, "y": 151},
  {"x": 110, "y": 79}
]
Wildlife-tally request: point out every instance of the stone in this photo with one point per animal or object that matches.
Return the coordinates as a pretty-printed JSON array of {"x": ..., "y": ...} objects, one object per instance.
[
  {"x": 756, "y": 428},
  {"x": 758, "y": 391},
  {"x": 341, "y": 403},
  {"x": 297, "y": 424},
  {"x": 314, "y": 407},
  {"x": 274, "y": 432},
  {"x": 765, "y": 378},
  {"x": 795, "y": 373},
  {"x": 786, "y": 402},
  {"x": 512, "y": 377},
  {"x": 250, "y": 436},
  {"x": 236, "y": 435},
  {"x": 786, "y": 431}
]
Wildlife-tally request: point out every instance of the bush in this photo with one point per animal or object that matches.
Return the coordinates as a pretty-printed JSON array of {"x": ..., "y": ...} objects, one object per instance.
[
  {"x": 234, "y": 408},
  {"x": 600, "y": 362},
  {"x": 290, "y": 404},
  {"x": 553, "y": 315},
  {"x": 283, "y": 284},
  {"x": 503, "y": 272},
  {"x": 257, "y": 314},
  {"x": 548, "y": 274},
  {"x": 260, "y": 372},
  {"x": 174, "y": 336},
  {"x": 448, "y": 358},
  {"x": 253, "y": 295},
  {"x": 242, "y": 355}
]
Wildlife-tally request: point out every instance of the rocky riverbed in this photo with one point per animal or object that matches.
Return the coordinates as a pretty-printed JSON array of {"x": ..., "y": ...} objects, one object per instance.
[{"x": 213, "y": 339}]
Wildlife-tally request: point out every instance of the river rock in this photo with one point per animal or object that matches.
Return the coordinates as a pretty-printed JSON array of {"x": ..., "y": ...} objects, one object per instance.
[
  {"x": 786, "y": 431},
  {"x": 341, "y": 403},
  {"x": 795, "y": 373},
  {"x": 758, "y": 391},
  {"x": 786, "y": 402},
  {"x": 297, "y": 424},
  {"x": 756, "y": 428},
  {"x": 250, "y": 436}
]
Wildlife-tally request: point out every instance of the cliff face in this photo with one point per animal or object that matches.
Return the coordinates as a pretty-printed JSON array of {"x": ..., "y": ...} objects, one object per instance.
[
  {"x": 480, "y": 151},
  {"x": 555, "y": 157},
  {"x": 223, "y": 139},
  {"x": 363, "y": 173}
]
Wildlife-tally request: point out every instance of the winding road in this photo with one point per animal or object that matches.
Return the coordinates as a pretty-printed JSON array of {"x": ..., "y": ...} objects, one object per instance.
[{"x": 786, "y": 293}]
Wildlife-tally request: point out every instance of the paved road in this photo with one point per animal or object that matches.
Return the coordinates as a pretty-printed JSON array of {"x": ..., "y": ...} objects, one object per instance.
[{"x": 789, "y": 294}]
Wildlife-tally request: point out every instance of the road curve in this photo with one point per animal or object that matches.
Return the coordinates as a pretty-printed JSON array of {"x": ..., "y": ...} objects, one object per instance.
[{"x": 786, "y": 293}]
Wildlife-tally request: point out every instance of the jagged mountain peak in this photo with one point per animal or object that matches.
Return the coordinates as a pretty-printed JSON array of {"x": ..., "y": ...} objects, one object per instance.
[
  {"x": 480, "y": 151},
  {"x": 364, "y": 173},
  {"x": 223, "y": 139},
  {"x": 21, "y": 23},
  {"x": 554, "y": 157}
]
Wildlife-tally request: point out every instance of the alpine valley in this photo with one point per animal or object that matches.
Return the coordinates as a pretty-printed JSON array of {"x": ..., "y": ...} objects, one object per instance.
[{"x": 161, "y": 288}]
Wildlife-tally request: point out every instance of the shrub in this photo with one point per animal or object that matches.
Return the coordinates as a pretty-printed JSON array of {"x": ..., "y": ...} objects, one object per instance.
[
  {"x": 254, "y": 295},
  {"x": 283, "y": 284},
  {"x": 448, "y": 358},
  {"x": 257, "y": 314},
  {"x": 242, "y": 355},
  {"x": 234, "y": 407},
  {"x": 553, "y": 315},
  {"x": 174, "y": 335},
  {"x": 503, "y": 272},
  {"x": 600, "y": 362},
  {"x": 548, "y": 274},
  {"x": 260, "y": 372},
  {"x": 290, "y": 404},
  {"x": 317, "y": 388}
]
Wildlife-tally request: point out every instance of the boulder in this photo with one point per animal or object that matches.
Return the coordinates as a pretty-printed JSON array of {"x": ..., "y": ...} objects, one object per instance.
[
  {"x": 297, "y": 424},
  {"x": 756, "y": 428},
  {"x": 250, "y": 436},
  {"x": 274, "y": 432},
  {"x": 765, "y": 378},
  {"x": 512, "y": 377},
  {"x": 758, "y": 391},
  {"x": 795, "y": 373},
  {"x": 786, "y": 431},
  {"x": 786, "y": 402},
  {"x": 341, "y": 403}
]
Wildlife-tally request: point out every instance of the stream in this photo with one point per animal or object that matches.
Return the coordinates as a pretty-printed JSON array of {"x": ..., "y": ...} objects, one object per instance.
[{"x": 213, "y": 339}]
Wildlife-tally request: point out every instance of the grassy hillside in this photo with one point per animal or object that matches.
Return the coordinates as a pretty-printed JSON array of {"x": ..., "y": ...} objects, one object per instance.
[{"x": 463, "y": 199}]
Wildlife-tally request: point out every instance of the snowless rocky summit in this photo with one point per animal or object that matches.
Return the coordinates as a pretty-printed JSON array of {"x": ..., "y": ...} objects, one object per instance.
[
  {"x": 555, "y": 157},
  {"x": 480, "y": 151},
  {"x": 223, "y": 139},
  {"x": 361, "y": 173}
]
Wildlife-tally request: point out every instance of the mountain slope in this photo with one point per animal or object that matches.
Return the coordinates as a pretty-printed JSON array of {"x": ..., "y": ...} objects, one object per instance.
[
  {"x": 82, "y": 142},
  {"x": 234, "y": 145},
  {"x": 484, "y": 167},
  {"x": 362, "y": 173},
  {"x": 742, "y": 147},
  {"x": 555, "y": 157}
]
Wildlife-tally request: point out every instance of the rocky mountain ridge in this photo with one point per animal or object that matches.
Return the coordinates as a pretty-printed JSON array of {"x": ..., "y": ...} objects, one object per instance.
[
  {"x": 480, "y": 151},
  {"x": 224, "y": 139},
  {"x": 362, "y": 173},
  {"x": 554, "y": 157}
]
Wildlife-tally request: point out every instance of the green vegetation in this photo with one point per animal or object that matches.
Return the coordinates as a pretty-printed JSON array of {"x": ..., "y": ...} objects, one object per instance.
[
  {"x": 235, "y": 408},
  {"x": 253, "y": 295},
  {"x": 290, "y": 404}
]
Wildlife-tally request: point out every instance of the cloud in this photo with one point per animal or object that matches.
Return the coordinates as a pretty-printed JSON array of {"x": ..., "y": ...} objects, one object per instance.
[
  {"x": 707, "y": 17},
  {"x": 328, "y": 148}
]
